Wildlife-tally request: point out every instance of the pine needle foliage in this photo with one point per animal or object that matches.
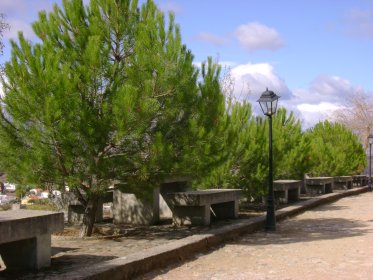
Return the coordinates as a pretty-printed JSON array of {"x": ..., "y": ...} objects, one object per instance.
[
  {"x": 246, "y": 164},
  {"x": 110, "y": 94},
  {"x": 335, "y": 150}
]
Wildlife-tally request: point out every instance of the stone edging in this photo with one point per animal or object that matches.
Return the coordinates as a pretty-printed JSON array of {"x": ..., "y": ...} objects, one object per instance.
[{"x": 161, "y": 256}]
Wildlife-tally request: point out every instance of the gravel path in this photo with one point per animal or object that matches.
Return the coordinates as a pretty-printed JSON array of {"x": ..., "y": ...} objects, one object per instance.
[{"x": 334, "y": 241}]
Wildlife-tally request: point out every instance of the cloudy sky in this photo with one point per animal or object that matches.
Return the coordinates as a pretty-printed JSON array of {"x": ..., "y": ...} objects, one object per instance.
[{"x": 313, "y": 53}]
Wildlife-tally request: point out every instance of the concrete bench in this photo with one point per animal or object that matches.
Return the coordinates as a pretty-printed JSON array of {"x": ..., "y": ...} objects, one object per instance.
[
  {"x": 319, "y": 185},
  {"x": 196, "y": 207},
  {"x": 75, "y": 210},
  {"x": 287, "y": 190},
  {"x": 133, "y": 209},
  {"x": 360, "y": 180},
  {"x": 25, "y": 237},
  {"x": 343, "y": 182}
]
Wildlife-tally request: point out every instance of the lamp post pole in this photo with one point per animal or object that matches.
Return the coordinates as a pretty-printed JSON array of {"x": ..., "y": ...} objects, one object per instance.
[
  {"x": 370, "y": 167},
  {"x": 370, "y": 141},
  {"x": 268, "y": 103},
  {"x": 271, "y": 218}
]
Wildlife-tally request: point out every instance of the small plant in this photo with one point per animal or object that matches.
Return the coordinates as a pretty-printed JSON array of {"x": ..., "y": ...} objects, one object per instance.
[
  {"x": 5, "y": 206},
  {"x": 41, "y": 204}
]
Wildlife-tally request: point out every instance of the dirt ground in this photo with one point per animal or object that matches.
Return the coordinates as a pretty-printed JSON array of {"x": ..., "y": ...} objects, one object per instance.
[
  {"x": 330, "y": 242},
  {"x": 109, "y": 241},
  {"x": 334, "y": 241}
]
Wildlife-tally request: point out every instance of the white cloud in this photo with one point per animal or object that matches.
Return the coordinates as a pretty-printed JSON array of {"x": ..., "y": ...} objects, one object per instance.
[
  {"x": 24, "y": 7},
  {"x": 331, "y": 89},
  {"x": 20, "y": 14},
  {"x": 322, "y": 107},
  {"x": 211, "y": 38},
  {"x": 359, "y": 23},
  {"x": 171, "y": 6},
  {"x": 12, "y": 6},
  {"x": 312, "y": 104},
  {"x": 322, "y": 98},
  {"x": 314, "y": 113},
  {"x": 256, "y": 36},
  {"x": 16, "y": 26},
  {"x": 252, "y": 79}
]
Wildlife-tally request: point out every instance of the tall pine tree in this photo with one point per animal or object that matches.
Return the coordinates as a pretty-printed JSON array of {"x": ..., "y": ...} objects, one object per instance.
[
  {"x": 335, "y": 150},
  {"x": 109, "y": 95},
  {"x": 246, "y": 164}
]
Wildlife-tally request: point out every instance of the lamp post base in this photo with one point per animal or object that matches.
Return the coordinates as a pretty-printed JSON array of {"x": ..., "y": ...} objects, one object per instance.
[
  {"x": 271, "y": 217},
  {"x": 270, "y": 228}
]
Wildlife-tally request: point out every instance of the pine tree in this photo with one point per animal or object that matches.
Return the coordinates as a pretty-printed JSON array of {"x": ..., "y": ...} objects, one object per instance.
[
  {"x": 290, "y": 148},
  {"x": 109, "y": 95},
  {"x": 335, "y": 150},
  {"x": 246, "y": 166}
]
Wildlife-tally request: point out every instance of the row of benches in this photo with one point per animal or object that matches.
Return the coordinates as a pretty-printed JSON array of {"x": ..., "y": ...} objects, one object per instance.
[
  {"x": 26, "y": 235},
  {"x": 196, "y": 207},
  {"x": 290, "y": 190}
]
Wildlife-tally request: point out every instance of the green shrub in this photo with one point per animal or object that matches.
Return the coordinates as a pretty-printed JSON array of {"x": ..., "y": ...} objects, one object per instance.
[
  {"x": 6, "y": 206},
  {"x": 41, "y": 204}
]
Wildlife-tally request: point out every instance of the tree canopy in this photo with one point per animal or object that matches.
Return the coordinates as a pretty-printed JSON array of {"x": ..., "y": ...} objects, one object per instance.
[
  {"x": 334, "y": 150},
  {"x": 246, "y": 166},
  {"x": 109, "y": 95}
]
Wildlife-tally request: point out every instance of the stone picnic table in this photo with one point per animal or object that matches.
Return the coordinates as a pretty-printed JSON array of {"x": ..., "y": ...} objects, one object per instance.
[
  {"x": 360, "y": 180},
  {"x": 25, "y": 237},
  {"x": 287, "y": 190},
  {"x": 196, "y": 207},
  {"x": 343, "y": 182},
  {"x": 319, "y": 185}
]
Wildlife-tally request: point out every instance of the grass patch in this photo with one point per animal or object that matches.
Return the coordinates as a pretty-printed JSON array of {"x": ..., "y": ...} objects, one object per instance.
[
  {"x": 5, "y": 206},
  {"x": 41, "y": 204}
]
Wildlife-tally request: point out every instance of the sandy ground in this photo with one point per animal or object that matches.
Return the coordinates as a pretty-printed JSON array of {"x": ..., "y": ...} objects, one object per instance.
[{"x": 334, "y": 241}]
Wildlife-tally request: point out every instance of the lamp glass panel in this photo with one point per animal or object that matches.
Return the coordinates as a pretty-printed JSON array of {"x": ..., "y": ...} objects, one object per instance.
[
  {"x": 262, "y": 106},
  {"x": 274, "y": 104},
  {"x": 269, "y": 108}
]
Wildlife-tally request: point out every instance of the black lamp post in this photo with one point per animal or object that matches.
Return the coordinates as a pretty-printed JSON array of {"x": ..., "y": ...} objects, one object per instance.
[
  {"x": 370, "y": 140},
  {"x": 268, "y": 103}
]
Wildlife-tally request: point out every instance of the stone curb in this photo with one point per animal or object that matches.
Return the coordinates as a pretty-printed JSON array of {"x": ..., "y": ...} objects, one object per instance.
[{"x": 161, "y": 256}]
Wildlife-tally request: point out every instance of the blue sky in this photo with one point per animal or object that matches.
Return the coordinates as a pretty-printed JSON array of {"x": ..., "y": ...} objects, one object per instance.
[{"x": 313, "y": 53}]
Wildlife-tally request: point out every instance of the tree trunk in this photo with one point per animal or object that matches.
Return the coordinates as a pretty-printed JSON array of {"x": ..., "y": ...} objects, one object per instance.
[{"x": 89, "y": 217}]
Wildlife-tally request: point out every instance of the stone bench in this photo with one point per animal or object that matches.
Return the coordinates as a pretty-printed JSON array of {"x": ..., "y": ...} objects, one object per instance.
[
  {"x": 75, "y": 210},
  {"x": 287, "y": 190},
  {"x": 343, "y": 182},
  {"x": 196, "y": 207},
  {"x": 139, "y": 210},
  {"x": 25, "y": 237},
  {"x": 319, "y": 185},
  {"x": 360, "y": 180}
]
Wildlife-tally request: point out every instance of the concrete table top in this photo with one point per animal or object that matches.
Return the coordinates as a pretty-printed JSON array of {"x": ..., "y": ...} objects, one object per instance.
[
  {"x": 319, "y": 180},
  {"x": 202, "y": 197},
  {"x": 22, "y": 224},
  {"x": 343, "y": 178}
]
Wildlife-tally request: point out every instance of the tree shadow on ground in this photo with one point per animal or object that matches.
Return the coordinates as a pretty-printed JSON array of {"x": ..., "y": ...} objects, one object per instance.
[
  {"x": 59, "y": 266},
  {"x": 288, "y": 232},
  {"x": 329, "y": 207},
  {"x": 56, "y": 250},
  {"x": 306, "y": 230},
  {"x": 168, "y": 232}
]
